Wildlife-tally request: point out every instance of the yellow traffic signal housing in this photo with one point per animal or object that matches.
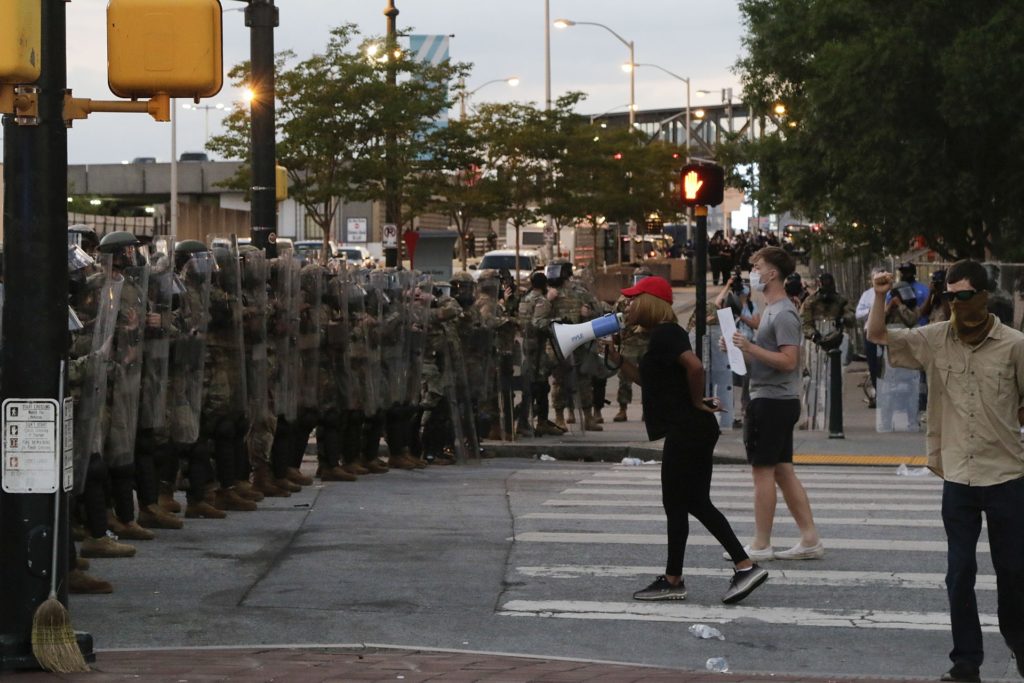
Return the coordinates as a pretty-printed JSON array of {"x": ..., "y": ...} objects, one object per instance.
[
  {"x": 281, "y": 186},
  {"x": 172, "y": 47},
  {"x": 20, "y": 37}
]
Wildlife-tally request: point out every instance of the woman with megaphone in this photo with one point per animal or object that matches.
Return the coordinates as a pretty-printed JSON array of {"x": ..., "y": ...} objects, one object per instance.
[{"x": 671, "y": 379}]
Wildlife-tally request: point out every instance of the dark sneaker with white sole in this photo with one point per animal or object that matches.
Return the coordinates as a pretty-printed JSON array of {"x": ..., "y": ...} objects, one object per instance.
[
  {"x": 962, "y": 672},
  {"x": 743, "y": 583},
  {"x": 661, "y": 589}
]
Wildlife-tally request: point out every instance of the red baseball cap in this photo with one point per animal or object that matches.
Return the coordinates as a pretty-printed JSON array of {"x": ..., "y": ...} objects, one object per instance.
[{"x": 652, "y": 284}]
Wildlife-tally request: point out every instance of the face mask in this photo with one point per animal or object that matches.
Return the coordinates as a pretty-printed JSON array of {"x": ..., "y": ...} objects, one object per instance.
[
  {"x": 971, "y": 318},
  {"x": 755, "y": 281}
]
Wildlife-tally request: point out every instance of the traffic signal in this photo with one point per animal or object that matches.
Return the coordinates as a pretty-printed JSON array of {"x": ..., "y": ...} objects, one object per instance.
[
  {"x": 20, "y": 37},
  {"x": 702, "y": 184},
  {"x": 281, "y": 184},
  {"x": 170, "y": 47}
]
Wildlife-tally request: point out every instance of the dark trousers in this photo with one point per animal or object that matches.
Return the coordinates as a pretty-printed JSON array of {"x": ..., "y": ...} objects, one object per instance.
[
  {"x": 686, "y": 490},
  {"x": 1003, "y": 506},
  {"x": 874, "y": 362}
]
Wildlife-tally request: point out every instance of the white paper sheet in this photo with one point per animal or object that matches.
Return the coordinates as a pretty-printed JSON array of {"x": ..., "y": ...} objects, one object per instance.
[{"x": 728, "y": 325}]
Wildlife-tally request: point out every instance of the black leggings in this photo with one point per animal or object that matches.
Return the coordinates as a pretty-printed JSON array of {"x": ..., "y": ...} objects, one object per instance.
[{"x": 686, "y": 490}]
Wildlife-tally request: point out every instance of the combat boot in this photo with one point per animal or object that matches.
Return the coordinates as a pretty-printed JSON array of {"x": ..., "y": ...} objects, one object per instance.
[
  {"x": 245, "y": 490},
  {"x": 547, "y": 428},
  {"x": 591, "y": 424},
  {"x": 154, "y": 517},
  {"x": 336, "y": 474},
  {"x": 570, "y": 418},
  {"x": 203, "y": 510},
  {"x": 355, "y": 468},
  {"x": 263, "y": 482},
  {"x": 494, "y": 434},
  {"x": 598, "y": 418},
  {"x": 375, "y": 466},
  {"x": 287, "y": 484},
  {"x": 227, "y": 499},
  {"x": 105, "y": 546},
  {"x": 131, "y": 531},
  {"x": 560, "y": 420},
  {"x": 81, "y": 583},
  {"x": 82, "y": 564},
  {"x": 621, "y": 415},
  {"x": 524, "y": 430},
  {"x": 293, "y": 475},
  {"x": 166, "y": 499},
  {"x": 401, "y": 462}
]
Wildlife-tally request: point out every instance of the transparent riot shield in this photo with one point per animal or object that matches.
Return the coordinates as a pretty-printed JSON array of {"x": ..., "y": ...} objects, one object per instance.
[
  {"x": 96, "y": 306},
  {"x": 356, "y": 329},
  {"x": 255, "y": 273},
  {"x": 188, "y": 347},
  {"x": 387, "y": 306},
  {"x": 460, "y": 401},
  {"x": 718, "y": 376},
  {"x": 419, "y": 311},
  {"x": 898, "y": 400},
  {"x": 164, "y": 292},
  {"x": 226, "y": 390},
  {"x": 817, "y": 377},
  {"x": 283, "y": 333},
  {"x": 125, "y": 369},
  {"x": 309, "y": 332},
  {"x": 379, "y": 396}
]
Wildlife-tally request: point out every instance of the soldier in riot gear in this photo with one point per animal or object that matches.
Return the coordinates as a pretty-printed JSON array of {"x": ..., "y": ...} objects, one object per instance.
[
  {"x": 439, "y": 416},
  {"x": 83, "y": 236},
  {"x": 134, "y": 322},
  {"x": 826, "y": 306},
  {"x": 535, "y": 320},
  {"x": 633, "y": 345},
  {"x": 1000, "y": 301}
]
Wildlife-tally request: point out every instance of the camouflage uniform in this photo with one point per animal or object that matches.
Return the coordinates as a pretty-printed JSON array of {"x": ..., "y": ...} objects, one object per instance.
[
  {"x": 535, "y": 321},
  {"x": 435, "y": 421},
  {"x": 633, "y": 347}
]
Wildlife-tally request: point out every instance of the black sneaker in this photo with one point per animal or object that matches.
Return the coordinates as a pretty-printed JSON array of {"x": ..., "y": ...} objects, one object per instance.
[
  {"x": 963, "y": 672},
  {"x": 661, "y": 589},
  {"x": 743, "y": 583}
]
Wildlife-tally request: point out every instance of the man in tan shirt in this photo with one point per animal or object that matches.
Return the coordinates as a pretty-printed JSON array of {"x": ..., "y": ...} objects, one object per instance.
[{"x": 975, "y": 370}]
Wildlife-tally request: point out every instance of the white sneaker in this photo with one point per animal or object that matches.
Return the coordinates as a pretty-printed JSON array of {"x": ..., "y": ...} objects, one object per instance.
[
  {"x": 762, "y": 555},
  {"x": 802, "y": 552}
]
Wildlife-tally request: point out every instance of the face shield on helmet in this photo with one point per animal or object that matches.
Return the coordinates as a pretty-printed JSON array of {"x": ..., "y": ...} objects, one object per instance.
[{"x": 74, "y": 323}]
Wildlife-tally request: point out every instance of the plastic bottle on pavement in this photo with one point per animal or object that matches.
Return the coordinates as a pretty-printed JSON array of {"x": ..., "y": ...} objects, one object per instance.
[
  {"x": 717, "y": 664},
  {"x": 632, "y": 461},
  {"x": 705, "y": 631}
]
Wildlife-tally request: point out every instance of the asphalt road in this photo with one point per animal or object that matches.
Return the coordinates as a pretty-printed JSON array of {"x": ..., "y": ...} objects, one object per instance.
[{"x": 541, "y": 558}]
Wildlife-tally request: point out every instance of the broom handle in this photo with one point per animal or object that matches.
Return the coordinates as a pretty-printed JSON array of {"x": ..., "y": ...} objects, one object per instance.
[{"x": 60, "y": 482}]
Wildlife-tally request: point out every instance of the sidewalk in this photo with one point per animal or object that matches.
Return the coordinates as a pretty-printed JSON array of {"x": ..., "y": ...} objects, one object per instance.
[
  {"x": 304, "y": 664},
  {"x": 862, "y": 445}
]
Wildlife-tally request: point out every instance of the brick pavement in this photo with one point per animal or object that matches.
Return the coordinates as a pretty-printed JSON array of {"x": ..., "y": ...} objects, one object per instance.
[{"x": 383, "y": 663}]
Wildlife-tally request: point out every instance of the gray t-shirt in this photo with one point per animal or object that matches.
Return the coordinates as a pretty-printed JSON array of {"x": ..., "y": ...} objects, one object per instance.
[{"x": 780, "y": 326}]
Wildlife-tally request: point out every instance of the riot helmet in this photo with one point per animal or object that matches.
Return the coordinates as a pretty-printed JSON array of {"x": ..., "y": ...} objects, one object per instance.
[
  {"x": 123, "y": 247},
  {"x": 794, "y": 286},
  {"x": 558, "y": 272},
  {"x": 463, "y": 288},
  {"x": 826, "y": 286},
  {"x": 539, "y": 280},
  {"x": 83, "y": 236},
  {"x": 908, "y": 271}
]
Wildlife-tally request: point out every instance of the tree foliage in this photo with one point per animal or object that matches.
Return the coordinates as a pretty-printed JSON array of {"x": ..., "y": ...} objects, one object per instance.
[{"x": 902, "y": 118}]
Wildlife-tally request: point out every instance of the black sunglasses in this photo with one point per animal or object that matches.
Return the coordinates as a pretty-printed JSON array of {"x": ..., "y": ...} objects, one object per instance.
[{"x": 962, "y": 295}]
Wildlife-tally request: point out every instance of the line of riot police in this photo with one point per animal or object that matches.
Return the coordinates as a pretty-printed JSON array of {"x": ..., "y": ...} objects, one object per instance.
[{"x": 207, "y": 368}]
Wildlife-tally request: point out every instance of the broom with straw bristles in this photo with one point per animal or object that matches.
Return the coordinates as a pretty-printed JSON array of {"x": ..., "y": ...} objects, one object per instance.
[{"x": 53, "y": 640}]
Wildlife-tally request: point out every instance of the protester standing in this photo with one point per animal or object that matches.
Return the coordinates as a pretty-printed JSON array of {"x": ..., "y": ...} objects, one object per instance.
[
  {"x": 671, "y": 379},
  {"x": 773, "y": 362},
  {"x": 975, "y": 369}
]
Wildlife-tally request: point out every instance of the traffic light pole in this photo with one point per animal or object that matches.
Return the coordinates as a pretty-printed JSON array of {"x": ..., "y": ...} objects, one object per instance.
[
  {"x": 392, "y": 209},
  {"x": 701, "y": 276},
  {"x": 261, "y": 16},
  {"x": 35, "y": 334}
]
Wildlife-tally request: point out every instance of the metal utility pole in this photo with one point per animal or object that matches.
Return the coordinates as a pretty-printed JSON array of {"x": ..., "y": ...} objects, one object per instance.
[
  {"x": 35, "y": 332},
  {"x": 392, "y": 208},
  {"x": 701, "y": 274},
  {"x": 547, "y": 54},
  {"x": 261, "y": 16}
]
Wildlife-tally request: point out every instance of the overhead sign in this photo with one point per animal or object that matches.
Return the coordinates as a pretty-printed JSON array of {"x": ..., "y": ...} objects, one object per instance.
[
  {"x": 356, "y": 230},
  {"x": 390, "y": 235},
  {"x": 32, "y": 453}
]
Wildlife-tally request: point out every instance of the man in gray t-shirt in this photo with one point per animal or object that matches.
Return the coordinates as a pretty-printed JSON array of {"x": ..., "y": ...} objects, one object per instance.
[
  {"x": 773, "y": 361},
  {"x": 779, "y": 326}
]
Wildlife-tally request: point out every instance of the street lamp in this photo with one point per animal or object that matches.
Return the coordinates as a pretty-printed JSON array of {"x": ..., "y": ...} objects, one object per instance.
[
  {"x": 566, "y": 23},
  {"x": 686, "y": 80},
  {"x": 206, "y": 109},
  {"x": 464, "y": 96}
]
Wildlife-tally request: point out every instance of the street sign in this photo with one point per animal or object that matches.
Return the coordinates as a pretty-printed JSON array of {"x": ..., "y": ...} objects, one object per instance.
[
  {"x": 31, "y": 456},
  {"x": 355, "y": 230},
  {"x": 390, "y": 235}
]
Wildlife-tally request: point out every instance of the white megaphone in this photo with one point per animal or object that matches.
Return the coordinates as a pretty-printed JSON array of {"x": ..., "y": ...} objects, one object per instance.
[{"x": 567, "y": 338}]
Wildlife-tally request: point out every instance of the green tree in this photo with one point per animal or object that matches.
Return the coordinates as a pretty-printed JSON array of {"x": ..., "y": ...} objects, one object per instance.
[
  {"x": 334, "y": 113},
  {"x": 900, "y": 119}
]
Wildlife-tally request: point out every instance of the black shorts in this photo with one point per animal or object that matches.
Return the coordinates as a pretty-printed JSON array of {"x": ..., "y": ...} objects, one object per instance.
[{"x": 768, "y": 430}]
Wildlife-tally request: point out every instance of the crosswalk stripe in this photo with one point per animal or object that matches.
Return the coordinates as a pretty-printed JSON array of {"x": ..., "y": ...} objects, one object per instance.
[
  {"x": 737, "y": 519},
  {"x": 606, "y": 538},
  {"x": 748, "y": 493},
  {"x": 745, "y": 505},
  {"x": 654, "y": 475},
  {"x": 789, "y": 616},
  {"x": 810, "y": 486},
  {"x": 778, "y": 577}
]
